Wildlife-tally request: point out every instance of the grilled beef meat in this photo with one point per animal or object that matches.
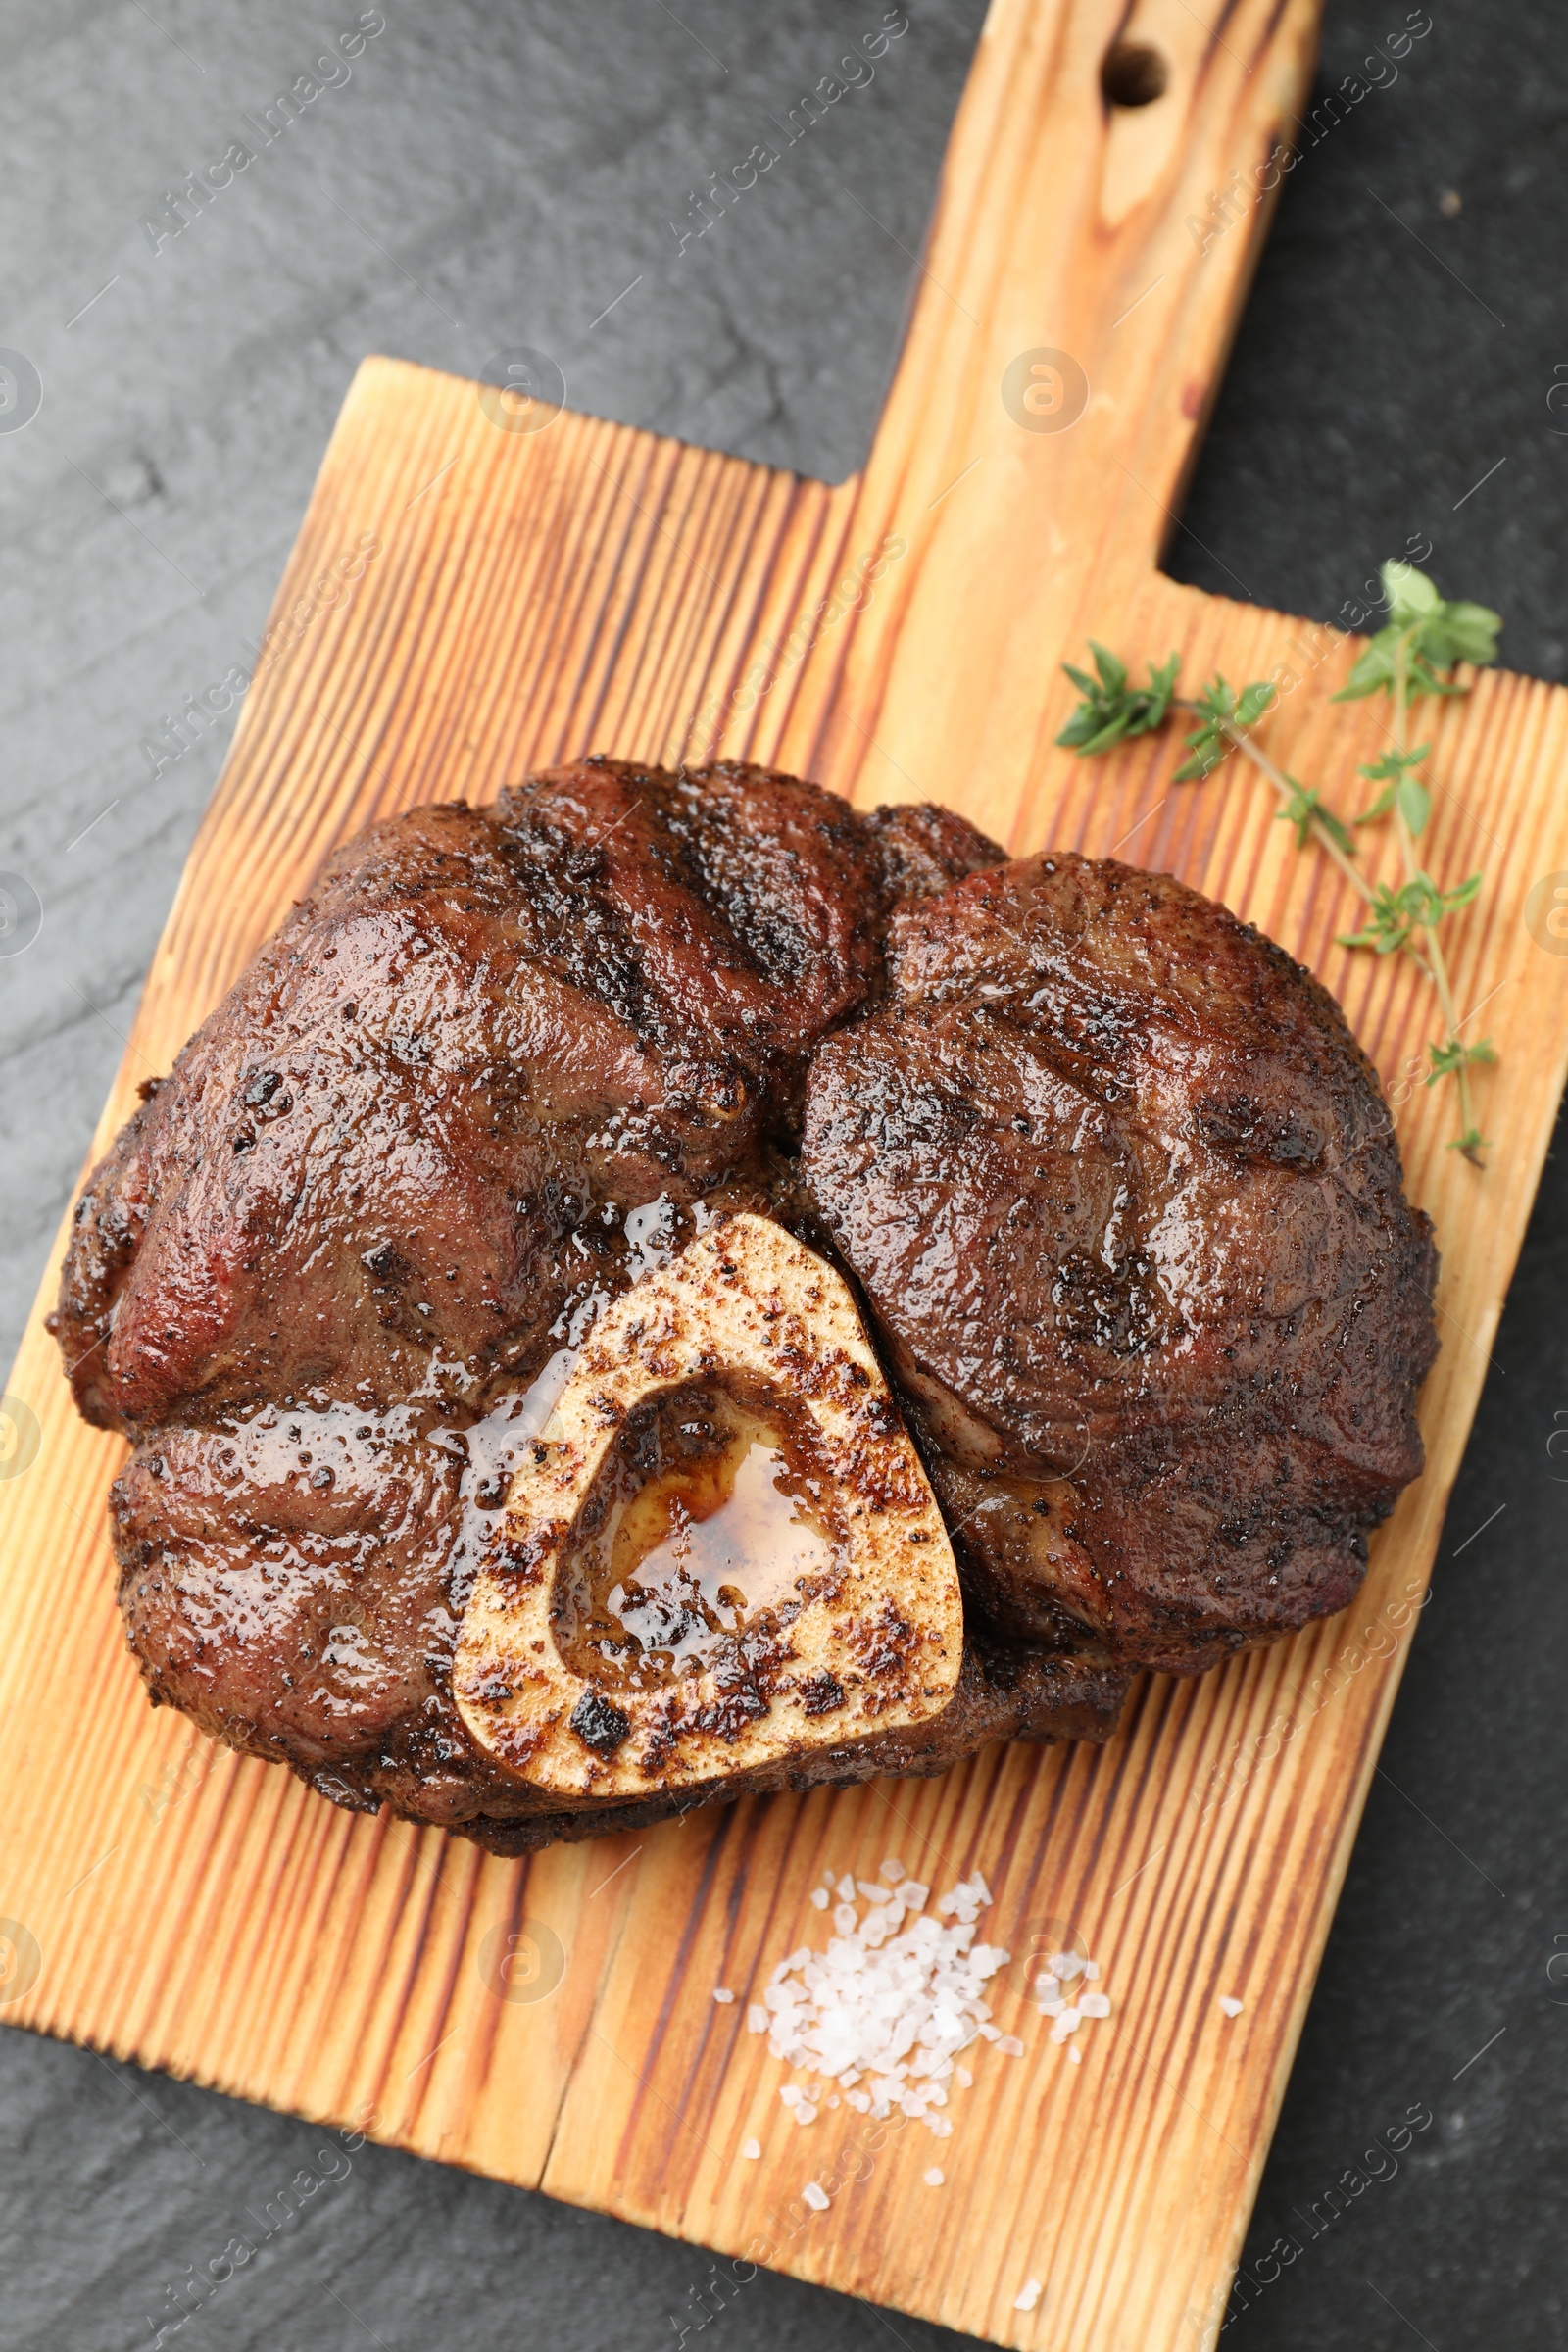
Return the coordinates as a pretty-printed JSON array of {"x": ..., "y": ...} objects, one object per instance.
[
  {"x": 404, "y": 1145},
  {"x": 1115, "y": 1182},
  {"x": 1124, "y": 1198},
  {"x": 494, "y": 1067}
]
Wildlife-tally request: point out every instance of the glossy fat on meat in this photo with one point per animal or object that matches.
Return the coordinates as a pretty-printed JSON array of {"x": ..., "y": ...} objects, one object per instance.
[
  {"x": 1125, "y": 1200},
  {"x": 406, "y": 1143},
  {"x": 495, "y": 1065},
  {"x": 1115, "y": 1182}
]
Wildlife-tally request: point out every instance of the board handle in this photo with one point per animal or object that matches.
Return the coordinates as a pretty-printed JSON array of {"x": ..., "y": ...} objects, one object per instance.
[{"x": 1108, "y": 186}]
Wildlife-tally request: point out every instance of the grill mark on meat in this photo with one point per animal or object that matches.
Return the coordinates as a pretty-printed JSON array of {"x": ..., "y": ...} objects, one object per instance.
[
  {"x": 582, "y": 930},
  {"x": 1157, "y": 1308},
  {"x": 1177, "y": 1226},
  {"x": 481, "y": 1043}
]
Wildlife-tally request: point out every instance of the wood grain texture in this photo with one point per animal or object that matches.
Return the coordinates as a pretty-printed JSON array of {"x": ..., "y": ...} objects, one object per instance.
[{"x": 535, "y": 595}]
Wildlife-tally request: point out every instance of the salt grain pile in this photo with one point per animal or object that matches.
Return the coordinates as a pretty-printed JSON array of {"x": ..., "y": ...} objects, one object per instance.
[{"x": 877, "y": 2021}]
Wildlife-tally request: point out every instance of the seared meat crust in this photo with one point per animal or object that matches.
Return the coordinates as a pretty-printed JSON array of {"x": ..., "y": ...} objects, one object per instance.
[
  {"x": 494, "y": 1065},
  {"x": 1115, "y": 1182},
  {"x": 1125, "y": 1200},
  {"x": 403, "y": 1146}
]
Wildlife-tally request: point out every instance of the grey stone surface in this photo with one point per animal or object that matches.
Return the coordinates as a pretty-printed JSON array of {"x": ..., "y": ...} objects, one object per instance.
[
  {"x": 491, "y": 177},
  {"x": 485, "y": 178}
]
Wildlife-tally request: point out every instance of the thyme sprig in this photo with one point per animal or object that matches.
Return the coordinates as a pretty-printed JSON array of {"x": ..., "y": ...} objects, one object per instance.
[
  {"x": 1424, "y": 638},
  {"x": 1423, "y": 635},
  {"x": 1223, "y": 715},
  {"x": 1112, "y": 710},
  {"x": 1399, "y": 915}
]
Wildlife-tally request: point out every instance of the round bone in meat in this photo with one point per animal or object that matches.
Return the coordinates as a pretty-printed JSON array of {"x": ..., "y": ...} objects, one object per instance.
[{"x": 578, "y": 1671}]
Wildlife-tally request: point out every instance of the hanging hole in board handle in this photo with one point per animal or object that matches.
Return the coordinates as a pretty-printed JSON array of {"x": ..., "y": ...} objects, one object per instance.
[{"x": 1133, "y": 75}]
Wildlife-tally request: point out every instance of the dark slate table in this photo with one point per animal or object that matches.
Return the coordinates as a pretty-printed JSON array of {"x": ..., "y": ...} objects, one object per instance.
[{"x": 494, "y": 176}]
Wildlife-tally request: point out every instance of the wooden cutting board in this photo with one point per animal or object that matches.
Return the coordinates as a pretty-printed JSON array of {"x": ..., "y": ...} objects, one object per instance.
[{"x": 528, "y": 594}]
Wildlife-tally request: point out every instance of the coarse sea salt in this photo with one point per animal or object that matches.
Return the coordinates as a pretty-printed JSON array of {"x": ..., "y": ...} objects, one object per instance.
[
  {"x": 1231, "y": 2006},
  {"x": 1028, "y": 2295},
  {"x": 878, "y": 2018}
]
